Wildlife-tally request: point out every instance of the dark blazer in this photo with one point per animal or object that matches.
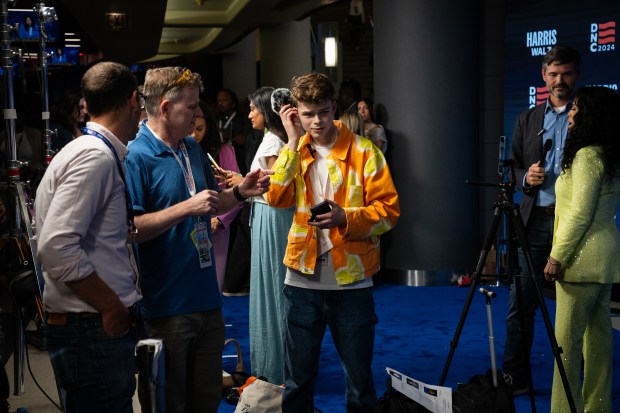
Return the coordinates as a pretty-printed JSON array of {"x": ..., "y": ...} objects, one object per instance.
[{"x": 527, "y": 148}]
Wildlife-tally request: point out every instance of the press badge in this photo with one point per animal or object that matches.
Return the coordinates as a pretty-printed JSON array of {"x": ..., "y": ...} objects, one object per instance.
[{"x": 200, "y": 236}]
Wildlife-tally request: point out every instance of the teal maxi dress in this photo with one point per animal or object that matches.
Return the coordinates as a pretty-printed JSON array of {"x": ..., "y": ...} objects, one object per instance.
[{"x": 269, "y": 229}]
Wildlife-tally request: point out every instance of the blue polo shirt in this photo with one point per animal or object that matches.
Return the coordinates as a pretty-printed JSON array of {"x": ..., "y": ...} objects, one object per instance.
[{"x": 171, "y": 279}]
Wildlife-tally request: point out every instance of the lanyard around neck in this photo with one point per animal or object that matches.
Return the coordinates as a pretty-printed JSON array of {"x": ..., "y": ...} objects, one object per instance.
[
  {"x": 130, "y": 215},
  {"x": 228, "y": 121},
  {"x": 187, "y": 172}
]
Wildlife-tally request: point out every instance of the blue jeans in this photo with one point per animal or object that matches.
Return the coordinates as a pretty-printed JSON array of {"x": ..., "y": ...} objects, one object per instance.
[
  {"x": 96, "y": 371},
  {"x": 516, "y": 357},
  {"x": 194, "y": 343},
  {"x": 350, "y": 315}
]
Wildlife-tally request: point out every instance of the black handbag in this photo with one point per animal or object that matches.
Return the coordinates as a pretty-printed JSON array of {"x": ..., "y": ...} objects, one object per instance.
[
  {"x": 479, "y": 395},
  {"x": 394, "y": 401}
]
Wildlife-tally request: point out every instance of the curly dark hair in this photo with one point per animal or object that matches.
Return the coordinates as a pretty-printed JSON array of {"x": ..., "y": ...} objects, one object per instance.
[
  {"x": 312, "y": 88},
  {"x": 597, "y": 122}
]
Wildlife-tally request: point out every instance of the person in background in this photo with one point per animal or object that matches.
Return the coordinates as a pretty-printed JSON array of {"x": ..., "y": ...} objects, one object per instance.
[
  {"x": 353, "y": 121},
  {"x": 224, "y": 156},
  {"x": 349, "y": 92},
  {"x": 65, "y": 118},
  {"x": 233, "y": 126},
  {"x": 28, "y": 30},
  {"x": 174, "y": 192},
  {"x": 330, "y": 257},
  {"x": 373, "y": 131},
  {"x": 142, "y": 96},
  {"x": 585, "y": 256},
  {"x": 83, "y": 116},
  {"x": 269, "y": 229},
  {"x": 206, "y": 131},
  {"x": 59, "y": 56},
  {"x": 355, "y": 21},
  {"x": 84, "y": 232},
  {"x": 236, "y": 128},
  {"x": 561, "y": 67}
]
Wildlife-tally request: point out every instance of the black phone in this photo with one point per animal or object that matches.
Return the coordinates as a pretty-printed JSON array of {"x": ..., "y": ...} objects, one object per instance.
[{"x": 319, "y": 209}]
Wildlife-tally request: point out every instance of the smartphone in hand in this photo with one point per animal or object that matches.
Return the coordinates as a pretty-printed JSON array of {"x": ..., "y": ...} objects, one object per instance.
[
  {"x": 215, "y": 166},
  {"x": 319, "y": 209}
]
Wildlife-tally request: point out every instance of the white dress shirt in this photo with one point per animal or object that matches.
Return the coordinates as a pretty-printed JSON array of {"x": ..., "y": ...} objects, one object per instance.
[{"x": 81, "y": 222}]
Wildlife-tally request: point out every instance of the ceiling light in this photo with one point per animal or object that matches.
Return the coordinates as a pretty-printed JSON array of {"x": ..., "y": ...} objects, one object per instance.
[{"x": 331, "y": 52}]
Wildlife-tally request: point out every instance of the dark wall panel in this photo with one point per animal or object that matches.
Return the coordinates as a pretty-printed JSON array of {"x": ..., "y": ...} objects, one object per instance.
[{"x": 426, "y": 84}]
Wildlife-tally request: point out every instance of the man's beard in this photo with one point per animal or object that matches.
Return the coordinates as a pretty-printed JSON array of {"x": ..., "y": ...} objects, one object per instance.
[{"x": 566, "y": 93}]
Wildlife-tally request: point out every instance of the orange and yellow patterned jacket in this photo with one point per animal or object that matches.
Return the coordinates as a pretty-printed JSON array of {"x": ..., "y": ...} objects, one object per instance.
[{"x": 362, "y": 185}]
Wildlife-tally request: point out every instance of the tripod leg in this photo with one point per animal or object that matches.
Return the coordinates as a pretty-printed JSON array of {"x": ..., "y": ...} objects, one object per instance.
[
  {"x": 557, "y": 350},
  {"x": 19, "y": 355},
  {"x": 474, "y": 282},
  {"x": 524, "y": 327},
  {"x": 491, "y": 342}
]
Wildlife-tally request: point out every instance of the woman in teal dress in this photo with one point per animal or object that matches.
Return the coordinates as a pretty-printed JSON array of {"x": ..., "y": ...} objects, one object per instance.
[
  {"x": 269, "y": 229},
  {"x": 585, "y": 257}
]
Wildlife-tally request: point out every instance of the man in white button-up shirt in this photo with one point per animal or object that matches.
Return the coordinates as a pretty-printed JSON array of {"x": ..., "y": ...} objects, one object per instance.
[{"x": 83, "y": 223}]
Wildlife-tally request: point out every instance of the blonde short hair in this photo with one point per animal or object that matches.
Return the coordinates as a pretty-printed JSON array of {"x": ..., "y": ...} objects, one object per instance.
[
  {"x": 354, "y": 122},
  {"x": 167, "y": 83}
]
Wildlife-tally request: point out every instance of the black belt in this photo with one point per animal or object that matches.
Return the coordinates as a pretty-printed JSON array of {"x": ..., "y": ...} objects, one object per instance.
[
  {"x": 60, "y": 319},
  {"x": 546, "y": 211}
]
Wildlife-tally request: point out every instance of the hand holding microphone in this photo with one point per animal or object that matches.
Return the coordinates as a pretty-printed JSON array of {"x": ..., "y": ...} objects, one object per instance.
[
  {"x": 546, "y": 149},
  {"x": 536, "y": 172}
]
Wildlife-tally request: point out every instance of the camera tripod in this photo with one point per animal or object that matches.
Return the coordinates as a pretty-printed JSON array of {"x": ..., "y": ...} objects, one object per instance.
[
  {"x": 516, "y": 236},
  {"x": 24, "y": 278}
]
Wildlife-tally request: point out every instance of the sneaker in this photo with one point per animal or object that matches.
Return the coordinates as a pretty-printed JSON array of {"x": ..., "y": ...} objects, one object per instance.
[
  {"x": 518, "y": 389},
  {"x": 241, "y": 293}
]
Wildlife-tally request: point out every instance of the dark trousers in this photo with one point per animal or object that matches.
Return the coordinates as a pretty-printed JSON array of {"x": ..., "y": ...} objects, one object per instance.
[
  {"x": 516, "y": 360},
  {"x": 350, "y": 315},
  {"x": 194, "y": 344},
  {"x": 96, "y": 371},
  {"x": 237, "y": 276}
]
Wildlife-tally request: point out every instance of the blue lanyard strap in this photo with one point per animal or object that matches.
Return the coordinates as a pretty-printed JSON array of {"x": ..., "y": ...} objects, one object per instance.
[{"x": 130, "y": 215}]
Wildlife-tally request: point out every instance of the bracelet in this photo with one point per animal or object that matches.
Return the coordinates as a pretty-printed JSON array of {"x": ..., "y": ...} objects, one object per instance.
[
  {"x": 552, "y": 263},
  {"x": 237, "y": 194}
]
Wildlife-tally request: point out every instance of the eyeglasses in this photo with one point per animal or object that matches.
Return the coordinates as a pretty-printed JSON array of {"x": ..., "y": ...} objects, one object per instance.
[{"x": 185, "y": 76}]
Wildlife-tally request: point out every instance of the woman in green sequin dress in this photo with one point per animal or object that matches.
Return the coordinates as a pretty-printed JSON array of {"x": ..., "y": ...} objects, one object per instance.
[{"x": 585, "y": 257}]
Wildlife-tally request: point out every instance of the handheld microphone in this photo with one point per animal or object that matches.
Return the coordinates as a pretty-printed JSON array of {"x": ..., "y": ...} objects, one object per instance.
[
  {"x": 487, "y": 292},
  {"x": 502, "y": 151},
  {"x": 311, "y": 149},
  {"x": 546, "y": 149}
]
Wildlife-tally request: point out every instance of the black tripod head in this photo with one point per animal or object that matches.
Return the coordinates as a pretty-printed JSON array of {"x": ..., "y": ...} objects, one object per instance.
[{"x": 507, "y": 183}]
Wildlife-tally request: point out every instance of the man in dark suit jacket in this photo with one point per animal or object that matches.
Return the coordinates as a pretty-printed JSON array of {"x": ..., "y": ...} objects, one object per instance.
[{"x": 536, "y": 171}]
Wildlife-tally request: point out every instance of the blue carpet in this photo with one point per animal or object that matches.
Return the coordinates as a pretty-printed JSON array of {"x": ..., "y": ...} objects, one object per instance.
[{"x": 416, "y": 325}]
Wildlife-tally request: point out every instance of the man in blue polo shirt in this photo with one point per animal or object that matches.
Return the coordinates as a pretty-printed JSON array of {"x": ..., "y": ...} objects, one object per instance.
[{"x": 174, "y": 192}]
